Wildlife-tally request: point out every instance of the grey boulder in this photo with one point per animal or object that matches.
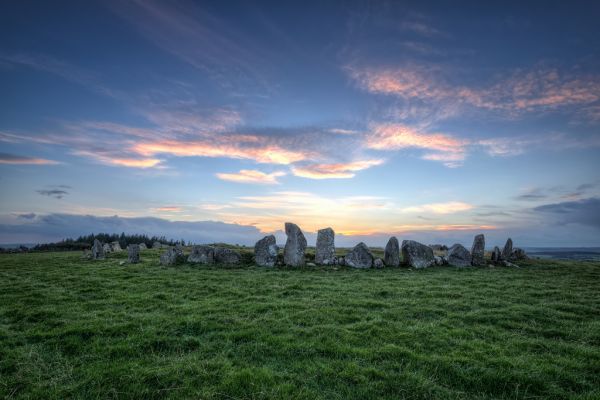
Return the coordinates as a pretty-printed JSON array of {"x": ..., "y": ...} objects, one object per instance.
[
  {"x": 459, "y": 256},
  {"x": 133, "y": 253},
  {"x": 143, "y": 246},
  {"x": 202, "y": 255},
  {"x": 325, "y": 250},
  {"x": 391, "y": 255},
  {"x": 295, "y": 246},
  {"x": 417, "y": 255},
  {"x": 518, "y": 254},
  {"x": 224, "y": 255},
  {"x": 106, "y": 248},
  {"x": 265, "y": 251},
  {"x": 97, "y": 250},
  {"x": 359, "y": 257},
  {"x": 157, "y": 245},
  {"x": 115, "y": 246},
  {"x": 172, "y": 256},
  {"x": 478, "y": 250},
  {"x": 378, "y": 263}
]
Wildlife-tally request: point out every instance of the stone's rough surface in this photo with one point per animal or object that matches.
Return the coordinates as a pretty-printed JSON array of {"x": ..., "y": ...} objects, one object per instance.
[
  {"x": 341, "y": 261},
  {"x": 518, "y": 254},
  {"x": 133, "y": 253},
  {"x": 172, "y": 256},
  {"x": 265, "y": 251},
  {"x": 157, "y": 245},
  {"x": 478, "y": 250},
  {"x": 97, "y": 250},
  {"x": 115, "y": 246},
  {"x": 224, "y": 255},
  {"x": 359, "y": 257},
  {"x": 416, "y": 254},
  {"x": 438, "y": 247},
  {"x": 325, "y": 250},
  {"x": 496, "y": 256},
  {"x": 378, "y": 263},
  {"x": 459, "y": 256},
  {"x": 507, "y": 250},
  {"x": 439, "y": 261},
  {"x": 106, "y": 248},
  {"x": 392, "y": 253},
  {"x": 295, "y": 246},
  {"x": 202, "y": 255},
  {"x": 143, "y": 246}
]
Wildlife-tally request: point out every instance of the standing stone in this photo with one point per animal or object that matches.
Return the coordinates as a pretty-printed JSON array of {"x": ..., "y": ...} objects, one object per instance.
[
  {"x": 459, "y": 256},
  {"x": 359, "y": 257},
  {"x": 265, "y": 251},
  {"x": 378, "y": 263},
  {"x": 224, "y": 255},
  {"x": 172, "y": 256},
  {"x": 507, "y": 251},
  {"x": 97, "y": 250},
  {"x": 325, "y": 251},
  {"x": 417, "y": 255},
  {"x": 478, "y": 250},
  {"x": 496, "y": 255},
  {"x": 202, "y": 255},
  {"x": 156, "y": 245},
  {"x": 133, "y": 253},
  {"x": 295, "y": 245},
  {"x": 392, "y": 253},
  {"x": 106, "y": 248},
  {"x": 115, "y": 246},
  {"x": 143, "y": 246}
]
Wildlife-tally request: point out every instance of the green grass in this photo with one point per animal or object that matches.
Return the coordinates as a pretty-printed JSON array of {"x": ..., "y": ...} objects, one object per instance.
[{"x": 73, "y": 328}]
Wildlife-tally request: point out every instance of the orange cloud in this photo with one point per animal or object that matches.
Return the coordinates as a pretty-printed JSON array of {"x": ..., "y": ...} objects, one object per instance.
[
  {"x": 440, "y": 208},
  {"x": 118, "y": 161},
  {"x": 169, "y": 209},
  {"x": 337, "y": 170},
  {"x": 252, "y": 176}
]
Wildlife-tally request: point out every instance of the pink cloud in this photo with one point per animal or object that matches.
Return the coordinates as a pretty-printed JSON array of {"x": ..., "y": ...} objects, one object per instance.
[
  {"x": 336, "y": 170},
  {"x": 252, "y": 176}
]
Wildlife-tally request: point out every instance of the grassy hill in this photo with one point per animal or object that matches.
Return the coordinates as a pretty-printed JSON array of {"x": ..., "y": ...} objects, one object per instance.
[{"x": 73, "y": 328}]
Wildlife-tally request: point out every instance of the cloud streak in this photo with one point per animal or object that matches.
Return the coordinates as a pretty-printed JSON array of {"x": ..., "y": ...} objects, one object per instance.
[
  {"x": 334, "y": 171},
  {"x": 252, "y": 176},
  {"x": 6, "y": 158}
]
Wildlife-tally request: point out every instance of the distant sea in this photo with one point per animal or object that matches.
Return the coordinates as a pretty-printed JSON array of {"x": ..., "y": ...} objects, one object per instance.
[{"x": 565, "y": 253}]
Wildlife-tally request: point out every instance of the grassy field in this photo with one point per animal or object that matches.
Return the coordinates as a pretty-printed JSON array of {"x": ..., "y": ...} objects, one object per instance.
[{"x": 73, "y": 328}]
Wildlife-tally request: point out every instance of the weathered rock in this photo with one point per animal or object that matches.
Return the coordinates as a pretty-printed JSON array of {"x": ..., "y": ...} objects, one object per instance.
[
  {"x": 325, "y": 250},
  {"x": 157, "y": 245},
  {"x": 341, "y": 261},
  {"x": 518, "y": 254},
  {"x": 265, "y": 251},
  {"x": 172, "y": 256},
  {"x": 133, "y": 253},
  {"x": 106, "y": 248},
  {"x": 496, "y": 255},
  {"x": 115, "y": 247},
  {"x": 438, "y": 247},
  {"x": 507, "y": 250},
  {"x": 392, "y": 253},
  {"x": 359, "y": 257},
  {"x": 143, "y": 246},
  {"x": 478, "y": 250},
  {"x": 416, "y": 254},
  {"x": 459, "y": 256},
  {"x": 97, "y": 250},
  {"x": 378, "y": 263},
  {"x": 202, "y": 255},
  {"x": 224, "y": 255},
  {"x": 439, "y": 261},
  {"x": 295, "y": 246}
]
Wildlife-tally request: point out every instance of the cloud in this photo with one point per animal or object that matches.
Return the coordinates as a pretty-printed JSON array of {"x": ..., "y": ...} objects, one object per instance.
[
  {"x": 440, "y": 208},
  {"x": 336, "y": 170},
  {"x": 26, "y": 216},
  {"x": 252, "y": 176},
  {"x": 445, "y": 148},
  {"x": 175, "y": 209},
  {"x": 6, "y": 158},
  {"x": 584, "y": 212},
  {"x": 532, "y": 195},
  {"x": 56, "y": 193}
]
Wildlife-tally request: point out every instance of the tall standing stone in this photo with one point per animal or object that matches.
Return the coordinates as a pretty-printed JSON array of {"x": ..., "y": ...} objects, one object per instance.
[
  {"x": 359, "y": 257},
  {"x": 133, "y": 253},
  {"x": 391, "y": 256},
  {"x": 496, "y": 255},
  {"x": 97, "y": 250},
  {"x": 295, "y": 246},
  {"x": 265, "y": 251},
  {"x": 417, "y": 255},
  {"x": 507, "y": 250},
  {"x": 459, "y": 256},
  {"x": 478, "y": 250},
  {"x": 202, "y": 255},
  {"x": 325, "y": 251}
]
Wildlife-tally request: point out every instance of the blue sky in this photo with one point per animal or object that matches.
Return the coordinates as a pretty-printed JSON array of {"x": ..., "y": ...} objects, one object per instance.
[{"x": 429, "y": 121}]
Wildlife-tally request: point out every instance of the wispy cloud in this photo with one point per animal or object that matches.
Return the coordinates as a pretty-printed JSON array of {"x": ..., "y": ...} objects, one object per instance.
[
  {"x": 56, "y": 193},
  {"x": 252, "y": 176},
  {"x": 6, "y": 158},
  {"x": 334, "y": 171},
  {"x": 168, "y": 209},
  {"x": 450, "y": 207}
]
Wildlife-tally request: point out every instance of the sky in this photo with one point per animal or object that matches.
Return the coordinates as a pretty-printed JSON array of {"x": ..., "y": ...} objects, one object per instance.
[{"x": 220, "y": 121}]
